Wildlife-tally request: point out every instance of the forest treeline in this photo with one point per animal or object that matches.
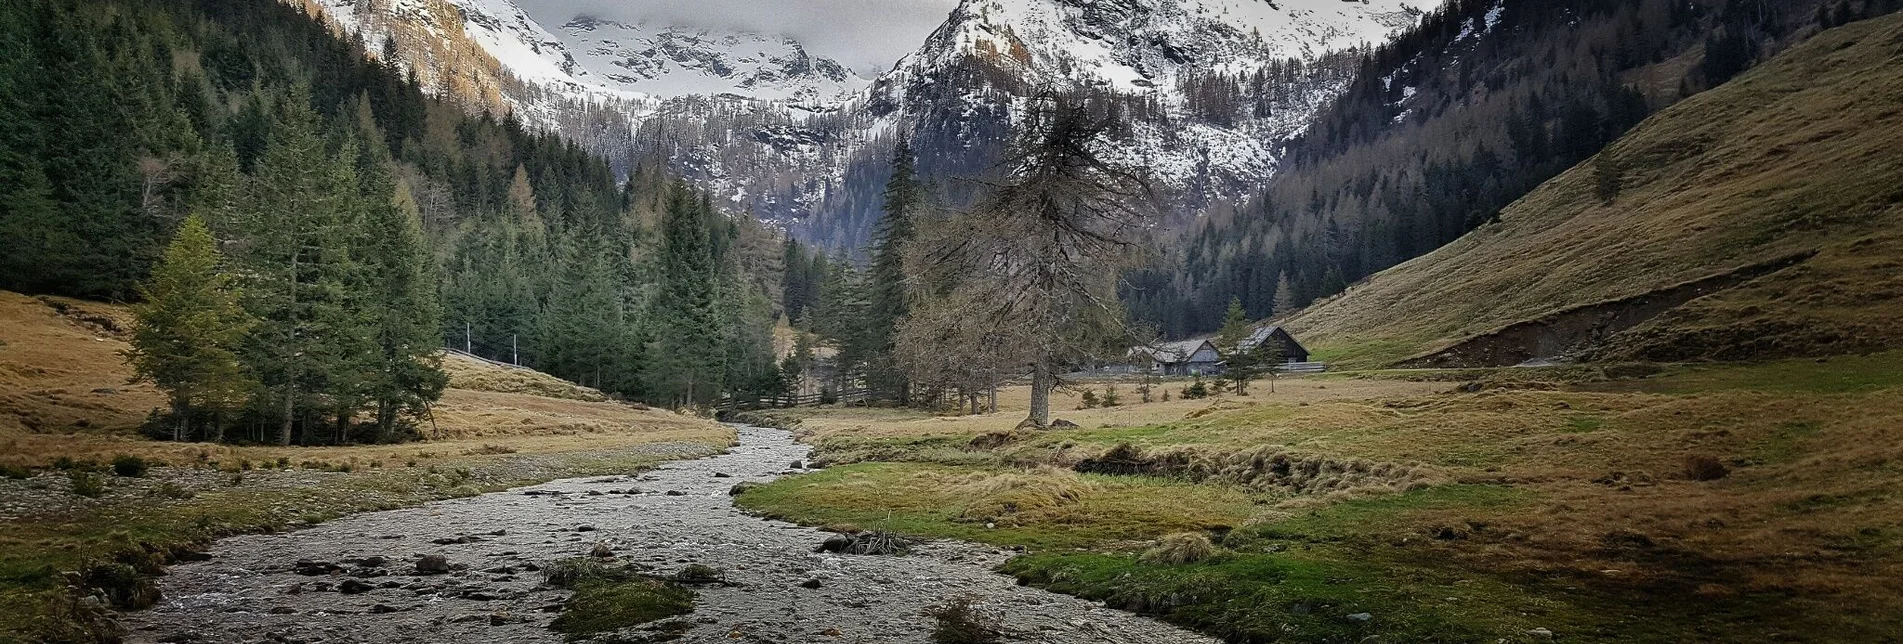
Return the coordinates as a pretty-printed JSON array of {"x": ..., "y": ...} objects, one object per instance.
[
  {"x": 303, "y": 228},
  {"x": 1450, "y": 122}
]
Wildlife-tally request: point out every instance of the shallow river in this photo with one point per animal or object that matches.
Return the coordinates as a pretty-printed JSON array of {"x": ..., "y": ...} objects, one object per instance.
[{"x": 252, "y": 590}]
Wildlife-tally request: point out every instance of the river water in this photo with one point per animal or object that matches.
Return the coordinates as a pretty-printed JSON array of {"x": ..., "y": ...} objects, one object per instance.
[{"x": 252, "y": 589}]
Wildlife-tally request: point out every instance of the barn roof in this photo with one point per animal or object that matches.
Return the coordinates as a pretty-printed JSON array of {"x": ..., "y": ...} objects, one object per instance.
[
  {"x": 1262, "y": 333},
  {"x": 1172, "y": 352}
]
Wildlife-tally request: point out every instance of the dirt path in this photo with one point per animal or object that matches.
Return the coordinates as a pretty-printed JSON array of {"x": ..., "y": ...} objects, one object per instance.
[{"x": 252, "y": 590}]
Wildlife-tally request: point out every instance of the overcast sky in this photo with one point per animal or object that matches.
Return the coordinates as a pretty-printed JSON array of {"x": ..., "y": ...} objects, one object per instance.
[{"x": 866, "y": 35}]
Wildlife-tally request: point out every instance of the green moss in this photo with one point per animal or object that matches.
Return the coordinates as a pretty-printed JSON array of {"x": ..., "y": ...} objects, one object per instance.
[
  {"x": 916, "y": 499},
  {"x": 602, "y": 604},
  {"x": 1834, "y": 375}
]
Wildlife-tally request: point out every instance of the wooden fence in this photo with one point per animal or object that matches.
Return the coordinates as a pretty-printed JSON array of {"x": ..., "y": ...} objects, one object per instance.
[{"x": 847, "y": 397}]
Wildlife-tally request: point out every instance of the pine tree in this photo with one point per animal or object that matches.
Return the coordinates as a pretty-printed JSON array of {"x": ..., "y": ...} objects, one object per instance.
[
  {"x": 686, "y": 365},
  {"x": 190, "y": 329},
  {"x": 1232, "y": 341},
  {"x": 409, "y": 372},
  {"x": 299, "y": 226},
  {"x": 887, "y": 291}
]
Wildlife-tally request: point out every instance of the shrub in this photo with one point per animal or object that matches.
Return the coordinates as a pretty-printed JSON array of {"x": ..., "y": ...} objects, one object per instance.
[
  {"x": 86, "y": 484},
  {"x": 959, "y": 621},
  {"x": 1196, "y": 390},
  {"x": 129, "y": 465},
  {"x": 1110, "y": 398},
  {"x": 64, "y": 463},
  {"x": 1090, "y": 398},
  {"x": 1179, "y": 549},
  {"x": 122, "y": 585},
  {"x": 1700, "y": 467},
  {"x": 16, "y": 471}
]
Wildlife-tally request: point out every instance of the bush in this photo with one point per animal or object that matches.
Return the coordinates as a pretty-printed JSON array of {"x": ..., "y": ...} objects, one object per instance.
[
  {"x": 1196, "y": 390},
  {"x": 16, "y": 471},
  {"x": 1699, "y": 467},
  {"x": 130, "y": 466},
  {"x": 1179, "y": 549},
  {"x": 1110, "y": 398},
  {"x": 960, "y": 622},
  {"x": 86, "y": 484},
  {"x": 1090, "y": 399},
  {"x": 122, "y": 585}
]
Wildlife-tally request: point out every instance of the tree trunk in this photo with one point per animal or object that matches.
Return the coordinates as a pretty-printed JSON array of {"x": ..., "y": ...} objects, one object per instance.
[
  {"x": 290, "y": 381},
  {"x": 992, "y": 407},
  {"x": 1041, "y": 393},
  {"x": 290, "y": 411},
  {"x": 184, "y": 412}
]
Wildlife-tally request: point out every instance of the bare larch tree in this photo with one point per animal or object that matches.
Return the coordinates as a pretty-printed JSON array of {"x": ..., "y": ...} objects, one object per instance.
[{"x": 1028, "y": 277}]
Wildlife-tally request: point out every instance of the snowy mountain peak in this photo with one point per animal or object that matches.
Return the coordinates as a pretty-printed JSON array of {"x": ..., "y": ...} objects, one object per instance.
[
  {"x": 591, "y": 56},
  {"x": 1131, "y": 45},
  {"x": 668, "y": 61}
]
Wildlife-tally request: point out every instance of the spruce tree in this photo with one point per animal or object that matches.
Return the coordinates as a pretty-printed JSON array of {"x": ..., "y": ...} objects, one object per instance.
[
  {"x": 686, "y": 365},
  {"x": 190, "y": 330},
  {"x": 887, "y": 291},
  {"x": 409, "y": 372},
  {"x": 1232, "y": 342}
]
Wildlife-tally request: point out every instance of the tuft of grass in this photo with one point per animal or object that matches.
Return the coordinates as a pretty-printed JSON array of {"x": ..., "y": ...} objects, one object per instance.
[
  {"x": 170, "y": 490},
  {"x": 12, "y": 471},
  {"x": 1179, "y": 549},
  {"x": 960, "y": 621},
  {"x": 700, "y": 574}
]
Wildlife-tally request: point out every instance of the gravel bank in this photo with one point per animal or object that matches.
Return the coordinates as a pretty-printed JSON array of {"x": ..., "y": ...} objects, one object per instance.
[{"x": 260, "y": 588}]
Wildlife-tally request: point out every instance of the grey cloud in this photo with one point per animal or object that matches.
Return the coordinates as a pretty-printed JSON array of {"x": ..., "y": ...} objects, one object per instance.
[{"x": 866, "y": 35}]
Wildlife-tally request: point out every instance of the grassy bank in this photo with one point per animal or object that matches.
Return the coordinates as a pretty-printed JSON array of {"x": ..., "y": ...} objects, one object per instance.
[{"x": 1408, "y": 506}]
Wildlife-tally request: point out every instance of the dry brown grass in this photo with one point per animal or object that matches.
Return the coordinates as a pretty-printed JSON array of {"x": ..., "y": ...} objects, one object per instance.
[
  {"x": 1014, "y": 401},
  {"x": 475, "y": 375},
  {"x": 1598, "y": 479},
  {"x": 1179, "y": 549},
  {"x": 56, "y": 370},
  {"x": 1798, "y": 155}
]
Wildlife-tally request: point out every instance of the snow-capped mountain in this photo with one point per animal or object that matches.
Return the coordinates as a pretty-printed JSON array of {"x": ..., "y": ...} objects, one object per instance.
[
  {"x": 667, "y": 61},
  {"x": 1210, "y": 89},
  {"x": 591, "y": 58}
]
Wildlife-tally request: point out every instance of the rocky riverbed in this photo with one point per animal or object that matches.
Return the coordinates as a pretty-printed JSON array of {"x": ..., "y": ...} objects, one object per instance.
[{"x": 465, "y": 570}]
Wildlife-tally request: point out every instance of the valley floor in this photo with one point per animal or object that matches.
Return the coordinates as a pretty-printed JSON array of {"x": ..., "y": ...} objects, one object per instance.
[
  {"x": 1754, "y": 502},
  {"x": 67, "y": 411}
]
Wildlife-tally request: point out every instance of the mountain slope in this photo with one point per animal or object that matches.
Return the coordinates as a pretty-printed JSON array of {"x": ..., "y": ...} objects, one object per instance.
[
  {"x": 1212, "y": 87},
  {"x": 1787, "y": 174}
]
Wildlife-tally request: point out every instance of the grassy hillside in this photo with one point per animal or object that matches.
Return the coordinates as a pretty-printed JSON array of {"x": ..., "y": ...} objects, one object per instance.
[
  {"x": 1795, "y": 161},
  {"x": 65, "y": 391}
]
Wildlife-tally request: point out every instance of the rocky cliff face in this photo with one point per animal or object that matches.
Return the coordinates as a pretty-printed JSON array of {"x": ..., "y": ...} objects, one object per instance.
[{"x": 1210, "y": 88}]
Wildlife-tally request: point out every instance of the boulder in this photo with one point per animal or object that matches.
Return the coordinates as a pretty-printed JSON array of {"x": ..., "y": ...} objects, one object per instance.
[{"x": 432, "y": 565}]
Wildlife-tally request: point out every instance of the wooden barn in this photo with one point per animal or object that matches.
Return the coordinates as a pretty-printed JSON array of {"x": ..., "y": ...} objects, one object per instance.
[
  {"x": 1292, "y": 351},
  {"x": 1184, "y": 358}
]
